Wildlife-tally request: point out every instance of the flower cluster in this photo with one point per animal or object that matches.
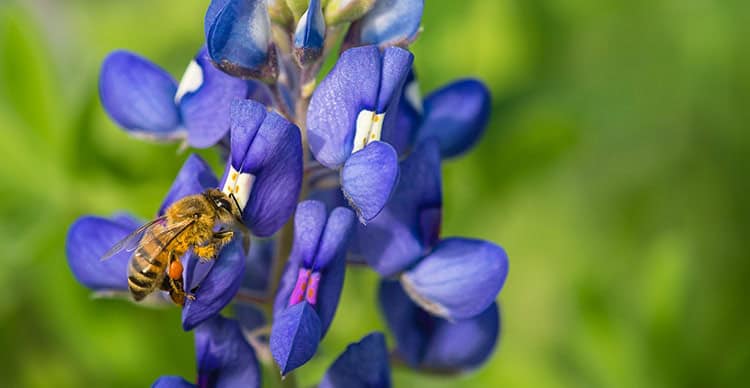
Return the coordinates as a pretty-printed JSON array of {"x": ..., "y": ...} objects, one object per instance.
[{"x": 342, "y": 172}]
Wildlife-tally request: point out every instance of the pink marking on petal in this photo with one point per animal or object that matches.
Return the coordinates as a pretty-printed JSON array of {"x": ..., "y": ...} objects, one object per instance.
[
  {"x": 299, "y": 289},
  {"x": 312, "y": 288}
]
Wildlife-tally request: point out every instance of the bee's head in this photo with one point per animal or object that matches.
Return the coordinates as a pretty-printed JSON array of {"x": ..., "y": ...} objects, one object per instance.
[{"x": 227, "y": 207}]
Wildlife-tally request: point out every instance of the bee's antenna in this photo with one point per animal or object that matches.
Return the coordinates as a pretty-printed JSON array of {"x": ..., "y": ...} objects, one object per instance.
[{"x": 242, "y": 212}]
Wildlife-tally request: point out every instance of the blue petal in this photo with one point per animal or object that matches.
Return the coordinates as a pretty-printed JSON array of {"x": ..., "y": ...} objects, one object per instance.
[
  {"x": 206, "y": 102},
  {"x": 225, "y": 359},
  {"x": 239, "y": 36},
  {"x": 218, "y": 288},
  {"x": 368, "y": 178},
  {"x": 275, "y": 158},
  {"x": 408, "y": 117},
  {"x": 246, "y": 117},
  {"x": 363, "y": 364},
  {"x": 335, "y": 238},
  {"x": 396, "y": 66},
  {"x": 309, "y": 222},
  {"x": 249, "y": 317},
  {"x": 211, "y": 12},
  {"x": 258, "y": 265},
  {"x": 409, "y": 224},
  {"x": 172, "y": 382},
  {"x": 329, "y": 291},
  {"x": 456, "y": 115},
  {"x": 459, "y": 279},
  {"x": 464, "y": 344},
  {"x": 139, "y": 96},
  {"x": 194, "y": 177},
  {"x": 389, "y": 23},
  {"x": 349, "y": 88},
  {"x": 89, "y": 238},
  {"x": 432, "y": 343},
  {"x": 332, "y": 197},
  {"x": 311, "y": 29},
  {"x": 295, "y": 336}
]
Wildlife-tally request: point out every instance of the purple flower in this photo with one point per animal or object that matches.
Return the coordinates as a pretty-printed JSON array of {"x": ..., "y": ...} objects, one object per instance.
[
  {"x": 264, "y": 170},
  {"x": 352, "y": 115},
  {"x": 90, "y": 237},
  {"x": 225, "y": 359},
  {"x": 146, "y": 101},
  {"x": 434, "y": 344},
  {"x": 310, "y": 288},
  {"x": 454, "y": 278},
  {"x": 456, "y": 115},
  {"x": 363, "y": 364},
  {"x": 388, "y": 23},
  {"x": 238, "y": 35}
]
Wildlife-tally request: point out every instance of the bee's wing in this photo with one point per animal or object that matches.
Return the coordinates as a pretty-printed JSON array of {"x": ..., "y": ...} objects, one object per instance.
[{"x": 131, "y": 241}]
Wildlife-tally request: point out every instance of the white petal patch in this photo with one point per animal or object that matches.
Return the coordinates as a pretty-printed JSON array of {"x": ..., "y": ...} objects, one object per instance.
[
  {"x": 369, "y": 126},
  {"x": 239, "y": 184},
  {"x": 413, "y": 96},
  {"x": 190, "y": 82}
]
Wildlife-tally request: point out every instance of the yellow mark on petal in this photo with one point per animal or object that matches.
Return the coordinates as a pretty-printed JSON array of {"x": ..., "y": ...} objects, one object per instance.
[
  {"x": 235, "y": 176},
  {"x": 375, "y": 118}
]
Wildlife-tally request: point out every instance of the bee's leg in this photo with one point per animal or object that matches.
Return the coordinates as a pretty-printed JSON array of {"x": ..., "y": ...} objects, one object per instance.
[
  {"x": 210, "y": 250},
  {"x": 174, "y": 282}
]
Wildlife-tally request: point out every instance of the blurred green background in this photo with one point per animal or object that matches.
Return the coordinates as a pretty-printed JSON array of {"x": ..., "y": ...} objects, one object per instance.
[{"x": 614, "y": 172}]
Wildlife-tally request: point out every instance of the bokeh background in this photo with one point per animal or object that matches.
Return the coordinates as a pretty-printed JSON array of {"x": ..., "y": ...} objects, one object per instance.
[{"x": 614, "y": 172}]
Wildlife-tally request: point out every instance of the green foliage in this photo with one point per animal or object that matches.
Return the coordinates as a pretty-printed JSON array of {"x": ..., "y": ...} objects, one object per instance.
[{"x": 614, "y": 172}]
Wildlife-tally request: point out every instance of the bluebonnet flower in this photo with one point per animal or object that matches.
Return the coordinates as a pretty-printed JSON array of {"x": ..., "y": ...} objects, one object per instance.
[
  {"x": 264, "y": 170},
  {"x": 454, "y": 278},
  {"x": 352, "y": 110},
  {"x": 388, "y": 23},
  {"x": 146, "y": 101},
  {"x": 225, "y": 359},
  {"x": 238, "y": 35},
  {"x": 434, "y": 344},
  {"x": 363, "y": 364},
  {"x": 309, "y": 35},
  {"x": 455, "y": 114},
  {"x": 310, "y": 288}
]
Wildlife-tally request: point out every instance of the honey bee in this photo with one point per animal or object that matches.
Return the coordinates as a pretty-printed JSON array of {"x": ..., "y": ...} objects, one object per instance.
[{"x": 188, "y": 223}]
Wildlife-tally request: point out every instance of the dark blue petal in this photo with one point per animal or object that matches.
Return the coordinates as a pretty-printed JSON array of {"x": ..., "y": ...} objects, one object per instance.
[
  {"x": 432, "y": 343},
  {"x": 275, "y": 158},
  {"x": 409, "y": 224},
  {"x": 456, "y": 115},
  {"x": 329, "y": 291},
  {"x": 311, "y": 29},
  {"x": 213, "y": 10},
  {"x": 139, "y": 96},
  {"x": 411, "y": 326},
  {"x": 295, "y": 336},
  {"x": 258, "y": 265},
  {"x": 368, "y": 178},
  {"x": 408, "y": 118},
  {"x": 172, "y": 382},
  {"x": 464, "y": 344},
  {"x": 225, "y": 359},
  {"x": 389, "y": 23},
  {"x": 239, "y": 37},
  {"x": 332, "y": 197},
  {"x": 246, "y": 117},
  {"x": 459, "y": 279},
  {"x": 309, "y": 222},
  {"x": 194, "y": 177},
  {"x": 205, "y": 95},
  {"x": 349, "y": 88},
  {"x": 249, "y": 317},
  {"x": 362, "y": 365},
  {"x": 335, "y": 238},
  {"x": 218, "y": 288},
  {"x": 89, "y": 238}
]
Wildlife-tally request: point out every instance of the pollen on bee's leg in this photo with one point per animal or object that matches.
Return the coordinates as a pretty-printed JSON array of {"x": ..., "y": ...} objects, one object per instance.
[
  {"x": 175, "y": 270},
  {"x": 300, "y": 287}
]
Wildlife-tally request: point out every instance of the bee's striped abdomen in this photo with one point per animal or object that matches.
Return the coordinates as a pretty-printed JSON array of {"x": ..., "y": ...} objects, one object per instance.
[{"x": 148, "y": 264}]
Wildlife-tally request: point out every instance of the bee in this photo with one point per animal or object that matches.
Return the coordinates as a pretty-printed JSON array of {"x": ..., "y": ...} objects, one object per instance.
[{"x": 188, "y": 223}]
